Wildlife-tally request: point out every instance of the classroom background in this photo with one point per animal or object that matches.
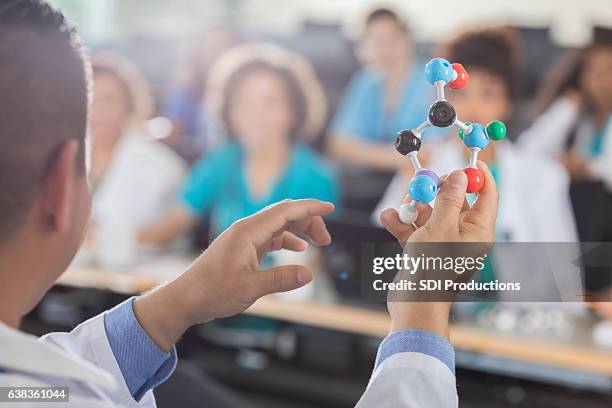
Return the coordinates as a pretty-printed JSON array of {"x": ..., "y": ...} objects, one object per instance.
[{"x": 205, "y": 112}]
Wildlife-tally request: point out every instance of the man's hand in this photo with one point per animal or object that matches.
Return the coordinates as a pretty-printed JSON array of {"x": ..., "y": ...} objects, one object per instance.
[
  {"x": 226, "y": 279},
  {"x": 451, "y": 220}
]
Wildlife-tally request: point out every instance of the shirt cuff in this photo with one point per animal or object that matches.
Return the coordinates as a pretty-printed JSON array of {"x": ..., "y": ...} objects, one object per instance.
[
  {"x": 143, "y": 364},
  {"x": 419, "y": 341}
]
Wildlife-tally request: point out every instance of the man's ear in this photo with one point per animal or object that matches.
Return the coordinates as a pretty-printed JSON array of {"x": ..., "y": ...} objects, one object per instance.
[{"x": 58, "y": 187}]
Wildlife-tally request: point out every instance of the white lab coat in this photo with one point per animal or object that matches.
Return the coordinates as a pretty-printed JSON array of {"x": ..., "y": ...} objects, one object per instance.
[
  {"x": 83, "y": 360},
  {"x": 411, "y": 380},
  {"x": 549, "y": 133}
]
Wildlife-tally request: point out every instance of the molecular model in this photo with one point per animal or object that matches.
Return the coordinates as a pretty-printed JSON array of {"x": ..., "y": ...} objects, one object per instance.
[{"x": 425, "y": 183}]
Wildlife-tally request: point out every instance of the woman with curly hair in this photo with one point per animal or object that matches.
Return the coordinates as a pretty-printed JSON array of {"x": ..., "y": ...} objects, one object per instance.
[{"x": 267, "y": 99}]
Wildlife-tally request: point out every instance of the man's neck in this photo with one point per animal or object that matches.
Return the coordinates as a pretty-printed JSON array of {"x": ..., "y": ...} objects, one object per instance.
[
  {"x": 12, "y": 308},
  {"x": 11, "y": 318},
  {"x": 22, "y": 265}
]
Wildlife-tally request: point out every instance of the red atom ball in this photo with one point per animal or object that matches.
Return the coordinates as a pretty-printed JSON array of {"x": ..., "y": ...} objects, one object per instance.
[
  {"x": 462, "y": 77},
  {"x": 475, "y": 179}
]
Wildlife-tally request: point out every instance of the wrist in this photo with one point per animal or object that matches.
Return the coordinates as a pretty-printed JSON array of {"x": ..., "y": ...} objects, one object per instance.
[
  {"x": 429, "y": 316},
  {"x": 194, "y": 298},
  {"x": 162, "y": 315}
]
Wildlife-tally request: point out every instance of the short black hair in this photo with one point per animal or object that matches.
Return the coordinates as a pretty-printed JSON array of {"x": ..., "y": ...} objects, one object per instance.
[
  {"x": 44, "y": 94},
  {"x": 494, "y": 50},
  {"x": 386, "y": 14}
]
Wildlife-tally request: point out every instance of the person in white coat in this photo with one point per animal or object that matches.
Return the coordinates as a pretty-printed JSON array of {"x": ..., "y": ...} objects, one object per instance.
[
  {"x": 117, "y": 358},
  {"x": 575, "y": 129},
  {"x": 134, "y": 178}
]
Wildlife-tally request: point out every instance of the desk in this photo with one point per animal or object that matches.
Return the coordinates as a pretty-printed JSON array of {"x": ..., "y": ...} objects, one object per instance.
[{"x": 571, "y": 354}]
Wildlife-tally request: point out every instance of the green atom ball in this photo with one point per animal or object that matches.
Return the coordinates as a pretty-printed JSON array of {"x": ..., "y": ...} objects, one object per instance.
[{"x": 496, "y": 130}]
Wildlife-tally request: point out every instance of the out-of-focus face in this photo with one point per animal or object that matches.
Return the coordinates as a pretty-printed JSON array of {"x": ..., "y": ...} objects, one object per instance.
[
  {"x": 484, "y": 99},
  {"x": 384, "y": 44},
  {"x": 260, "y": 112},
  {"x": 109, "y": 110},
  {"x": 597, "y": 77}
]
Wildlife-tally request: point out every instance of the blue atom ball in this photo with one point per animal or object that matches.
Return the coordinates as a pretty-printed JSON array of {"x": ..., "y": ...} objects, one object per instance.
[
  {"x": 439, "y": 69},
  {"x": 423, "y": 188},
  {"x": 477, "y": 137}
]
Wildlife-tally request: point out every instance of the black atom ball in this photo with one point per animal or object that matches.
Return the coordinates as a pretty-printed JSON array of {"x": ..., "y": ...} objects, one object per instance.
[
  {"x": 442, "y": 114},
  {"x": 406, "y": 142}
]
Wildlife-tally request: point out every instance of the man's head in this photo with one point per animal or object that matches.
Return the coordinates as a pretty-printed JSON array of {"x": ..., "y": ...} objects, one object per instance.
[{"x": 44, "y": 78}]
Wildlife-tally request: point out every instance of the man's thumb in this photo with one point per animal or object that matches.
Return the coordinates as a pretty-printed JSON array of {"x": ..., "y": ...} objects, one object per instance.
[
  {"x": 282, "y": 279},
  {"x": 449, "y": 201}
]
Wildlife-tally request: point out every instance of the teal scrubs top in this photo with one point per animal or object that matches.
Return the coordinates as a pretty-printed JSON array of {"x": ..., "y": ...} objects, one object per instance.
[
  {"x": 217, "y": 184},
  {"x": 362, "y": 114}
]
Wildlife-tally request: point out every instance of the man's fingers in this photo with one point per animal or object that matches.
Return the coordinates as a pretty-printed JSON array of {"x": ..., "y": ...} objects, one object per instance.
[
  {"x": 390, "y": 220},
  {"x": 317, "y": 231},
  {"x": 290, "y": 241},
  {"x": 449, "y": 202},
  {"x": 266, "y": 223},
  {"x": 293, "y": 210},
  {"x": 313, "y": 227},
  {"x": 466, "y": 205},
  {"x": 424, "y": 212},
  {"x": 485, "y": 208},
  {"x": 280, "y": 279}
]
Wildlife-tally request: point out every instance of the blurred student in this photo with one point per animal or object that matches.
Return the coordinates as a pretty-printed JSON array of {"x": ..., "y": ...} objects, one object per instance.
[
  {"x": 576, "y": 129},
  {"x": 184, "y": 103},
  {"x": 534, "y": 190},
  {"x": 388, "y": 94},
  {"x": 266, "y": 98},
  {"x": 134, "y": 178}
]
